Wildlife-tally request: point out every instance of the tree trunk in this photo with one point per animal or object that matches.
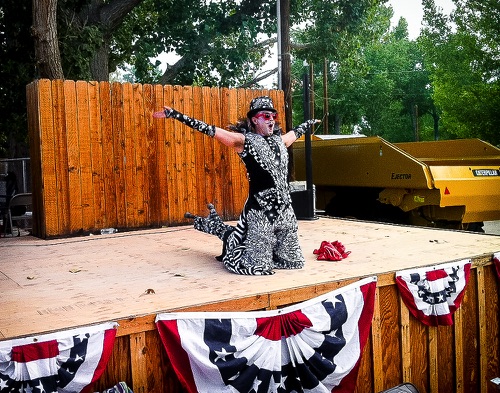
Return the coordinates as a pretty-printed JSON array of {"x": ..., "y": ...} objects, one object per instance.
[
  {"x": 99, "y": 64},
  {"x": 44, "y": 31},
  {"x": 285, "y": 74},
  {"x": 107, "y": 16},
  {"x": 286, "y": 61}
]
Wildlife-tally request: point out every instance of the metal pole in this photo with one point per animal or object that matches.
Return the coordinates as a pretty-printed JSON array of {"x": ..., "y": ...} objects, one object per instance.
[
  {"x": 308, "y": 148},
  {"x": 325, "y": 96},
  {"x": 278, "y": 13},
  {"x": 25, "y": 184}
]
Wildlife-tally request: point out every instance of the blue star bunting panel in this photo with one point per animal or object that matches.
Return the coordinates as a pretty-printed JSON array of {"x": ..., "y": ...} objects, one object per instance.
[
  {"x": 433, "y": 294},
  {"x": 61, "y": 362},
  {"x": 314, "y": 346}
]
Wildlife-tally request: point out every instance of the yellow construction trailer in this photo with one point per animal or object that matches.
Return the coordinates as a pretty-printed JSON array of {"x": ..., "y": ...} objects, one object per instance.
[{"x": 450, "y": 184}]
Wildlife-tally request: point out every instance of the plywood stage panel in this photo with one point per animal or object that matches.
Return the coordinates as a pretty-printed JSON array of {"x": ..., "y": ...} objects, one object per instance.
[{"x": 49, "y": 285}]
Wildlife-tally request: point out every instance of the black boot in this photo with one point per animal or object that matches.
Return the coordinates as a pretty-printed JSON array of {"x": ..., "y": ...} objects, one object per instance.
[{"x": 212, "y": 224}]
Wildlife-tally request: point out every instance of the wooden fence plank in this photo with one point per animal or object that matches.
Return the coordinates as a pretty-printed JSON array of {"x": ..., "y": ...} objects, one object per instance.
[
  {"x": 278, "y": 105},
  {"x": 160, "y": 190},
  {"x": 406, "y": 341},
  {"x": 179, "y": 135},
  {"x": 34, "y": 114},
  {"x": 119, "y": 157},
  {"x": 238, "y": 110},
  {"x": 219, "y": 152},
  {"x": 48, "y": 158},
  {"x": 492, "y": 316},
  {"x": 84, "y": 147},
  {"x": 110, "y": 204},
  {"x": 151, "y": 149},
  {"x": 229, "y": 181},
  {"x": 459, "y": 350},
  {"x": 198, "y": 203},
  {"x": 445, "y": 358},
  {"x": 182, "y": 132},
  {"x": 72, "y": 143},
  {"x": 171, "y": 169},
  {"x": 138, "y": 354},
  {"x": 419, "y": 354},
  {"x": 61, "y": 157},
  {"x": 378, "y": 370},
  {"x": 483, "y": 337},
  {"x": 96, "y": 151},
  {"x": 209, "y": 149},
  {"x": 130, "y": 180},
  {"x": 470, "y": 327},
  {"x": 391, "y": 348},
  {"x": 141, "y": 167},
  {"x": 192, "y": 138},
  {"x": 433, "y": 359}
]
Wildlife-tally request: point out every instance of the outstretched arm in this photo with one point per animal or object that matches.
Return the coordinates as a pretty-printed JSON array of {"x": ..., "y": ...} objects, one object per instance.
[
  {"x": 294, "y": 134},
  {"x": 233, "y": 140}
]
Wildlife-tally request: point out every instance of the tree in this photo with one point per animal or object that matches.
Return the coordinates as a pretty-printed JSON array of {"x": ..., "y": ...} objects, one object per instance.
[
  {"x": 16, "y": 72},
  {"x": 216, "y": 41},
  {"x": 336, "y": 37},
  {"x": 376, "y": 80},
  {"x": 44, "y": 32},
  {"x": 465, "y": 68},
  {"x": 94, "y": 36}
]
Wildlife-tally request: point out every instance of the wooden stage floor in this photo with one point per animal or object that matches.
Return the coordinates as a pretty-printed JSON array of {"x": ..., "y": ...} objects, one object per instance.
[{"x": 48, "y": 285}]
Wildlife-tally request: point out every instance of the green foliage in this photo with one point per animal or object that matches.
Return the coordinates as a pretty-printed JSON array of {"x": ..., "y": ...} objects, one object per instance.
[
  {"x": 226, "y": 35},
  {"x": 17, "y": 70},
  {"x": 377, "y": 81},
  {"x": 466, "y": 68},
  {"x": 215, "y": 40},
  {"x": 77, "y": 45},
  {"x": 335, "y": 28},
  {"x": 337, "y": 32}
]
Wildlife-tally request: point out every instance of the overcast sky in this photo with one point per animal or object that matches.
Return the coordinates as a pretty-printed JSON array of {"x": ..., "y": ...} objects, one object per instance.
[{"x": 411, "y": 10}]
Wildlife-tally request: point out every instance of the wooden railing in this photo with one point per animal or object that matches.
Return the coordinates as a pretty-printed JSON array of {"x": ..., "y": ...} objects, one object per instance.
[{"x": 100, "y": 160}]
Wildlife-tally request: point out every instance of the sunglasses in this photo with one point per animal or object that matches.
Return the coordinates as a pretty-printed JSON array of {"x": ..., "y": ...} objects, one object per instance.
[{"x": 266, "y": 116}]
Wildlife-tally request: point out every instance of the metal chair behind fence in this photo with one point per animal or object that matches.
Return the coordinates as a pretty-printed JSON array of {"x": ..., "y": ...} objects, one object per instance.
[{"x": 18, "y": 209}]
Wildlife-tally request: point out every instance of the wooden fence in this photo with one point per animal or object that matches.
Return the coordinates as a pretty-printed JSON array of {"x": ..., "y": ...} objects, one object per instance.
[
  {"x": 100, "y": 160},
  {"x": 461, "y": 358}
]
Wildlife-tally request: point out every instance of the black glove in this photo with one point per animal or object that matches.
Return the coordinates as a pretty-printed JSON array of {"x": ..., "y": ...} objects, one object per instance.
[
  {"x": 301, "y": 129},
  {"x": 197, "y": 125}
]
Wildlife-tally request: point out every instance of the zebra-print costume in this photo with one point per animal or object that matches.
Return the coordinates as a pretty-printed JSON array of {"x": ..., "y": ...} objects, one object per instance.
[{"x": 265, "y": 236}]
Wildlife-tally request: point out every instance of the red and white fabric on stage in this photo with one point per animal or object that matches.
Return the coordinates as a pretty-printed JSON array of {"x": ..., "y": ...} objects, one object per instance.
[
  {"x": 314, "y": 346},
  {"x": 331, "y": 251},
  {"x": 62, "y": 362},
  {"x": 433, "y": 294},
  {"x": 496, "y": 262}
]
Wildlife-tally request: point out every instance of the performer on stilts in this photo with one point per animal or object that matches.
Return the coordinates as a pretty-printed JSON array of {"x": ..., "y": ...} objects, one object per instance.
[{"x": 265, "y": 237}]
